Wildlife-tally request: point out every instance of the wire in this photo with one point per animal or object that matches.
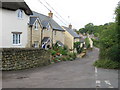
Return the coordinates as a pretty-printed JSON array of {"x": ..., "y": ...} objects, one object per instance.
[
  {"x": 50, "y": 10},
  {"x": 44, "y": 5},
  {"x": 55, "y": 11},
  {"x": 60, "y": 20}
]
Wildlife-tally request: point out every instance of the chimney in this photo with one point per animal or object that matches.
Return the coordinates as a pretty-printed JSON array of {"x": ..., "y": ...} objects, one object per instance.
[
  {"x": 50, "y": 14},
  {"x": 70, "y": 26}
]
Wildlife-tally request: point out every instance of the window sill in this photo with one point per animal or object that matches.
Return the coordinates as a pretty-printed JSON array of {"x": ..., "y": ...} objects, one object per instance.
[
  {"x": 20, "y": 18},
  {"x": 36, "y": 29},
  {"x": 17, "y": 44}
]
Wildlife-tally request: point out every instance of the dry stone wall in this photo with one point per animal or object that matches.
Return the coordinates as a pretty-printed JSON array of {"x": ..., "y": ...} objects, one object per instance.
[{"x": 17, "y": 58}]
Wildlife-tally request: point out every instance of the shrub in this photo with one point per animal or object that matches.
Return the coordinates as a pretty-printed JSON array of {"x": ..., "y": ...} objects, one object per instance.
[
  {"x": 96, "y": 43},
  {"x": 62, "y": 50},
  {"x": 72, "y": 55},
  {"x": 53, "y": 52},
  {"x": 64, "y": 59},
  {"x": 78, "y": 48},
  {"x": 114, "y": 53},
  {"x": 87, "y": 43},
  {"x": 107, "y": 64},
  {"x": 57, "y": 59}
]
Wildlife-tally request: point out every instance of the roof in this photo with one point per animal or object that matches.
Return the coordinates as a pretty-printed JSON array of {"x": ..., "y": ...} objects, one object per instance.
[
  {"x": 16, "y": 5},
  {"x": 45, "y": 20},
  {"x": 60, "y": 43},
  {"x": 72, "y": 32},
  {"x": 32, "y": 20},
  {"x": 45, "y": 39}
]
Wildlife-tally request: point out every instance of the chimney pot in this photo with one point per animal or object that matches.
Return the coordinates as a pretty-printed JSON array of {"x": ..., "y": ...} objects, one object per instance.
[
  {"x": 50, "y": 14},
  {"x": 70, "y": 26}
]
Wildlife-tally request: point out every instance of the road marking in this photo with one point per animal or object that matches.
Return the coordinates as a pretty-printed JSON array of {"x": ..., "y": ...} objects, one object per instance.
[
  {"x": 98, "y": 81},
  {"x": 110, "y": 87},
  {"x": 96, "y": 70},
  {"x": 107, "y": 82}
]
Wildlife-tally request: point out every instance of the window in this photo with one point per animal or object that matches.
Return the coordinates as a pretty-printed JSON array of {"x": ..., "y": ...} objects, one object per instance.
[
  {"x": 48, "y": 26},
  {"x": 55, "y": 33},
  {"x": 36, "y": 44},
  {"x": 36, "y": 26},
  {"x": 16, "y": 38},
  {"x": 20, "y": 14}
]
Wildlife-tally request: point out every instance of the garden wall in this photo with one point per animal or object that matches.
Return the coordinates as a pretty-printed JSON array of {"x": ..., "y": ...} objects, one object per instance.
[{"x": 17, "y": 58}]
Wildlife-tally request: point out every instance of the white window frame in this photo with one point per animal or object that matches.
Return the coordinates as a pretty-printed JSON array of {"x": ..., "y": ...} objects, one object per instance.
[
  {"x": 20, "y": 14},
  {"x": 48, "y": 27},
  {"x": 36, "y": 44},
  {"x": 36, "y": 25},
  {"x": 16, "y": 39},
  {"x": 55, "y": 33}
]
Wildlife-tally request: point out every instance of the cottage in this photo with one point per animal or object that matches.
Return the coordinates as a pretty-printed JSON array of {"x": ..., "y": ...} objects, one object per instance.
[
  {"x": 34, "y": 32},
  {"x": 51, "y": 31},
  {"x": 15, "y": 19},
  {"x": 70, "y": 37}
]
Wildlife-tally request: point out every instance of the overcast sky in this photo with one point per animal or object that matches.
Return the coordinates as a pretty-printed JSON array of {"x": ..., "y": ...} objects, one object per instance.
[{"x": 80, "y": 12}]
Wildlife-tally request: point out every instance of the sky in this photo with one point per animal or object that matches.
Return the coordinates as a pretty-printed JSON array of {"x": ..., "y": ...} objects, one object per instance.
[{"x": 77, "y": 12}]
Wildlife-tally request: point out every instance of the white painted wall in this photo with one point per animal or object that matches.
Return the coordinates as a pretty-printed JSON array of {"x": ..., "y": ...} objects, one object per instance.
[
  {"x": 11, "y": 23},
  {"x": 0, "y": 27}
]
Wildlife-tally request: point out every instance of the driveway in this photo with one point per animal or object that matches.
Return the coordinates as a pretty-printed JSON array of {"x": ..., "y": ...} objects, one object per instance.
[{"x": 70, "y": 74}]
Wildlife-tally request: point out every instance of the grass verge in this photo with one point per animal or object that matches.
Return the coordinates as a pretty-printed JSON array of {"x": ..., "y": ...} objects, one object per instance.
[{"x": 107, "y": 64}]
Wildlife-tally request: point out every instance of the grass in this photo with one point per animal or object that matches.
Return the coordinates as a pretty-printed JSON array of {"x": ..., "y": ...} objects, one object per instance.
[{"x": 107, "y": 64}]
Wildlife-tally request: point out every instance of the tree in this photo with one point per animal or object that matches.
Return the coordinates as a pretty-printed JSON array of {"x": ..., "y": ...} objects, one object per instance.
[
  {"x": 90, "y": 28},
  {"x": 82, "y": 30},
  {"x": 117, "y": 12}
]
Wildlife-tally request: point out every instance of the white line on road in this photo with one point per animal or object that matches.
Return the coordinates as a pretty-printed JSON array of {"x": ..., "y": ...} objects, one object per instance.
[
  {"x": 107, "y": 82},
  {"x": 110, "y": 87},
  {"x": 96, "y": 70},
  {"x": 98, "y": 81}
]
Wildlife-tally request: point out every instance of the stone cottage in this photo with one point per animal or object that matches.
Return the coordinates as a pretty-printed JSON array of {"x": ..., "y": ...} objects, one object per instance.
[
  {"x": 71, "y": 37},
  {"x": 51, "y": 30}
]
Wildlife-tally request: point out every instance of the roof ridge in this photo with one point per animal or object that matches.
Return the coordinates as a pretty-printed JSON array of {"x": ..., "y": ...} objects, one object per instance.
[{"x": 40, "y": 13}]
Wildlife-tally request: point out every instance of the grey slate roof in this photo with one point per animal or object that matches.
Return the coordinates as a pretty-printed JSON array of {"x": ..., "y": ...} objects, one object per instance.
[
  {"x": 32, "y": 20},
  {"x": 72, "y": 32},
  {"x": 45, "y": 20},
  {"x": 16, "y": 5},
  {"x": 45, "y": 39}
]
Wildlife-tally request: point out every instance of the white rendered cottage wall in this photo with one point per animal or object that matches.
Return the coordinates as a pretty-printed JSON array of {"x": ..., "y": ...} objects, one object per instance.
[
  {"x": 11, "y": 23},
  {"x": 0, "y": 28}
]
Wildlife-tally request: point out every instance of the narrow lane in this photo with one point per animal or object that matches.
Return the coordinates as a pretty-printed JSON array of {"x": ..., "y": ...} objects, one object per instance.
[{"x": 70, "y": 74}]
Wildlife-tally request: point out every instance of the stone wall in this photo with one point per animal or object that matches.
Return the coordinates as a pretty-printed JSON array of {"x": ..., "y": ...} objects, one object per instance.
[{"x": 17, "y": 59}]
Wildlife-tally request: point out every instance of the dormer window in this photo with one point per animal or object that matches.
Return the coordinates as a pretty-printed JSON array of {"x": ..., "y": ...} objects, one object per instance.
[
  {"x": 36, "y": 26},
  {"x": 48, "y": 26},
  {"x": 20, "y": 14}
]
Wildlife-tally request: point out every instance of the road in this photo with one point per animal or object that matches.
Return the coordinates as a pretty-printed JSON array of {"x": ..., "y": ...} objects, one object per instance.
[{"x": 70, "y": 74}]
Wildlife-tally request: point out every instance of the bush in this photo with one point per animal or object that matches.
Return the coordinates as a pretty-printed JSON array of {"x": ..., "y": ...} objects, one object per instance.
[
  {"x": 107, "y": 64},
  {"x": 72, "y": 55},
  {"x": 53, "y": 52},
  {"x": 64, "y": 59},
  {"x": 114, "y": 53},
  {"x": 96, "y": 43},
  {"x": 87, "y": 43},
  {"x": 62, "y": 50},
  {"x": 78, "y": 48},
  {"x": 57, "y": 59}
]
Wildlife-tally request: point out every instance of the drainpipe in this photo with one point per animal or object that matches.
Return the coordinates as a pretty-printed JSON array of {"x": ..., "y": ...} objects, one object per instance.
[
  {"x": 30, "y": 36},
  {"x": 41, "y": 36},
  {"x": 73, "y": 45},
  {"x": 52, "y": 38}
]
